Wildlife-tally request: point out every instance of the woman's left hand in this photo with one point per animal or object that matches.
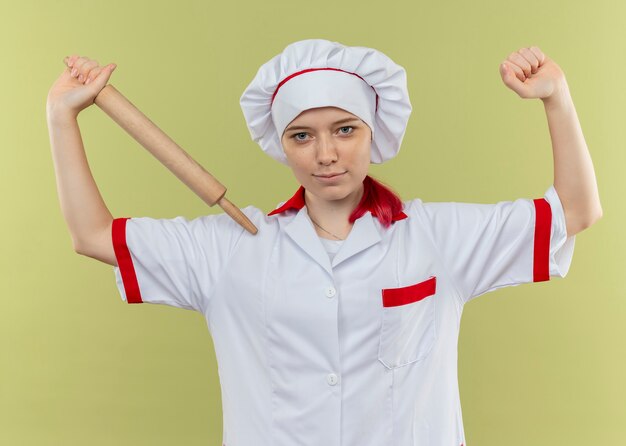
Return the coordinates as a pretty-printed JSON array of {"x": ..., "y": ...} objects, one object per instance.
[{"x": 531, "y": 74}]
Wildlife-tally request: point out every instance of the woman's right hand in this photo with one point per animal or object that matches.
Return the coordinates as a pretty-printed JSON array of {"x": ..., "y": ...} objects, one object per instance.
[{"x": 78, "y": 85}]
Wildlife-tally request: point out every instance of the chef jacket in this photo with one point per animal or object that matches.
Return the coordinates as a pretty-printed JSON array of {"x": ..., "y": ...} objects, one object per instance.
[{"x": 360, "y": 350}]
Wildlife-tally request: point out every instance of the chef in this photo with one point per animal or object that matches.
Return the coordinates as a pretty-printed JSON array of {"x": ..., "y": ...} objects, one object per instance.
[{"x": 337, "y": 324}]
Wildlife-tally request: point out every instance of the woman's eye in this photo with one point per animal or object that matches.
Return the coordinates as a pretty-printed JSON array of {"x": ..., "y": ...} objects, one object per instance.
[
  {"x": 299, "y": 134},
  {"x": 347, "y": 127}
]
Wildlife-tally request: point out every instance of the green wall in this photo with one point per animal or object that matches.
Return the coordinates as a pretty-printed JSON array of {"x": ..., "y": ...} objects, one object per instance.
[{"x": 539, "y": 364}]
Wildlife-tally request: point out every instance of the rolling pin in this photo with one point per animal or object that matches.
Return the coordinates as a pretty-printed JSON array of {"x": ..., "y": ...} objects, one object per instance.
[{"x": 170, "y": 154}]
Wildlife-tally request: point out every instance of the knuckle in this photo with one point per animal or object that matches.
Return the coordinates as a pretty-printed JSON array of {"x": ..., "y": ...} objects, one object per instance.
[
  {"x": 91, "y": 64},
  {"x": 80, "y": 62}
]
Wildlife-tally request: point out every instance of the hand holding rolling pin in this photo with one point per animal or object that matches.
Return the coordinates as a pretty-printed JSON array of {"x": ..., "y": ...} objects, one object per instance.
[{"x": 85, "y": 83}]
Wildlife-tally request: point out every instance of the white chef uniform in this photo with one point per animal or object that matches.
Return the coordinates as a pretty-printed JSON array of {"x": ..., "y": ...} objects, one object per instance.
[{"x": 360, "y": 351}]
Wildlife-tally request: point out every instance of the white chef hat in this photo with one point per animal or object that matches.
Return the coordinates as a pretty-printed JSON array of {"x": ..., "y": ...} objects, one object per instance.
[{"x": 320, "y": 73}]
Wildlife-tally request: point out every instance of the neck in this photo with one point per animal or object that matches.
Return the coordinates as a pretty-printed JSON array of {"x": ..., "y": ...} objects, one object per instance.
[{"x": 332, "y": 215}]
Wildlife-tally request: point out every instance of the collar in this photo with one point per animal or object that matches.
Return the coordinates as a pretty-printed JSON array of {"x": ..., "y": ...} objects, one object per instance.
[{"x": 297, "y": 202}]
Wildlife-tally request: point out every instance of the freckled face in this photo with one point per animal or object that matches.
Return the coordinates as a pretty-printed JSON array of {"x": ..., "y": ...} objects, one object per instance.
[{"x": 328, "y": 150}]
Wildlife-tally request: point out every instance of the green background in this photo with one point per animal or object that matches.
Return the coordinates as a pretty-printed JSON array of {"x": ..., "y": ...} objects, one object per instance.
[{"x": 539, "y": 364}]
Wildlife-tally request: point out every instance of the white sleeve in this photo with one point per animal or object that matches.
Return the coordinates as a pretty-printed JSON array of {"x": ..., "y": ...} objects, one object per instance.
[
  {"x": 489, "y": 246},
  {"x": 172, "y": 261}
]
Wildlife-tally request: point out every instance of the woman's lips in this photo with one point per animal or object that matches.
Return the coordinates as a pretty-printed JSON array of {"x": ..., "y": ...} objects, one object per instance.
[{"x": 329, "y": 177}]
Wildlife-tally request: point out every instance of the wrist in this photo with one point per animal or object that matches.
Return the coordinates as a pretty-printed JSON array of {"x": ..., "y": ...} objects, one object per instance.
[
  {"x": 560, "y": 97},
  {"x": 57, "y": 113}
]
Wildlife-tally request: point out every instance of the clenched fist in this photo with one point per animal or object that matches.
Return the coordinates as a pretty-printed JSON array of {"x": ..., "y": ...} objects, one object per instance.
[{"x": 531, "y": 74}]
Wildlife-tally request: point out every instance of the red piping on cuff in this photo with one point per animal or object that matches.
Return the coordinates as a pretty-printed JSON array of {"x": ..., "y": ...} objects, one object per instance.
[
  {"x": 125, "y": 261},
  {"x": 543, "y": 225}
]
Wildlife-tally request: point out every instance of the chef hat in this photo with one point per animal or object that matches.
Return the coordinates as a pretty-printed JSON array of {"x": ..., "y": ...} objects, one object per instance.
[{"x": 320, "y": 73}]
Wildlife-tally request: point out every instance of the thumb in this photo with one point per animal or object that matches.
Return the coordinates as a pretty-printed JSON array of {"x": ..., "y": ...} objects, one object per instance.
[
  {"x": 510, "y": 79},
  {"x": 103, "y": 77}
]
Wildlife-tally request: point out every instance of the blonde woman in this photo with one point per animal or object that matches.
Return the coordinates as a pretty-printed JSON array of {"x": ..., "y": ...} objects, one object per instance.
[{"x": 338, "y": 322}]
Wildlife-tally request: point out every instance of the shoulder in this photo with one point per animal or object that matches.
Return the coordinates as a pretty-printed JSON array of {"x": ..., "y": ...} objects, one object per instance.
[
  {"x": 442, "y": 214},
  {"x": 420, "y": 208},
  {"x": 467, "y": 217},
  {"x": 211, "y": 225}
]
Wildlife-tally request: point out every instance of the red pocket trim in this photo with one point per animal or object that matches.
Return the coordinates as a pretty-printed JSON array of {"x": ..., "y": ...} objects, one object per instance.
[
  {"x": 393, "y": 297},
  {"x": 125, "y": 261}
]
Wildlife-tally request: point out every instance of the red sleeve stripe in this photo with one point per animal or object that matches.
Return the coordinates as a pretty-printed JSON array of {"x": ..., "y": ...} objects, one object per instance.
[
  {"x": 125, "y": 261},
  {"x": 543, "y": 225}
]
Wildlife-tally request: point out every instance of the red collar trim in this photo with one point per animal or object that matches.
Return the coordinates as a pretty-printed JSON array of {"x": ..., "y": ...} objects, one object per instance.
[{"x": 297, "y": 202}]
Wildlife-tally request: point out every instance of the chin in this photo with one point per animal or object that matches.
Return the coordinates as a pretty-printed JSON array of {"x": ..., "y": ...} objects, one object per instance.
[{"x": 333, "y": 193}]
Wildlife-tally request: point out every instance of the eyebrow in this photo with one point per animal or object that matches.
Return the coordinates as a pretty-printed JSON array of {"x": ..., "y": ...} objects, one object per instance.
[{"x": 341, "y": 121}]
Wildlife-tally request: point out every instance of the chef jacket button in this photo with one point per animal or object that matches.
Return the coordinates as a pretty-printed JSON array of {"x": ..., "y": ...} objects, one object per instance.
[
  {"x": 330, "y": 292},
  {"x": 332, "y": 379}
]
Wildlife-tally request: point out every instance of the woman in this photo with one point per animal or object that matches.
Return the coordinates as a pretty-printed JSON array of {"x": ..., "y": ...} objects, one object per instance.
[{"x": 338, "y": 322}]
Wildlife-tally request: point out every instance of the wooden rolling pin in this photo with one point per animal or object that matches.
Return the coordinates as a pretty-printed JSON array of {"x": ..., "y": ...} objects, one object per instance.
[{"x": 152, "y": 138}]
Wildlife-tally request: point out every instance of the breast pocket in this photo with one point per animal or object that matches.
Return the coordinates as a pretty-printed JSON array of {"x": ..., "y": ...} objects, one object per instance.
[{"x": 408, "y": 331}]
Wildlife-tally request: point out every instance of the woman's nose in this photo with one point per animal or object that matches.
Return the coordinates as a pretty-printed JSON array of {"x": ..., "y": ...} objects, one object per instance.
[{"x": 326, "y": 151}]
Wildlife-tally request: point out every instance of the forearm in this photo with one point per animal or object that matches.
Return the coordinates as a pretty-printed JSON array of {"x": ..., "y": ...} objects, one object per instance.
[
  {"x": 574, "y": 176},
  {"x": 82, "y": 205}
]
